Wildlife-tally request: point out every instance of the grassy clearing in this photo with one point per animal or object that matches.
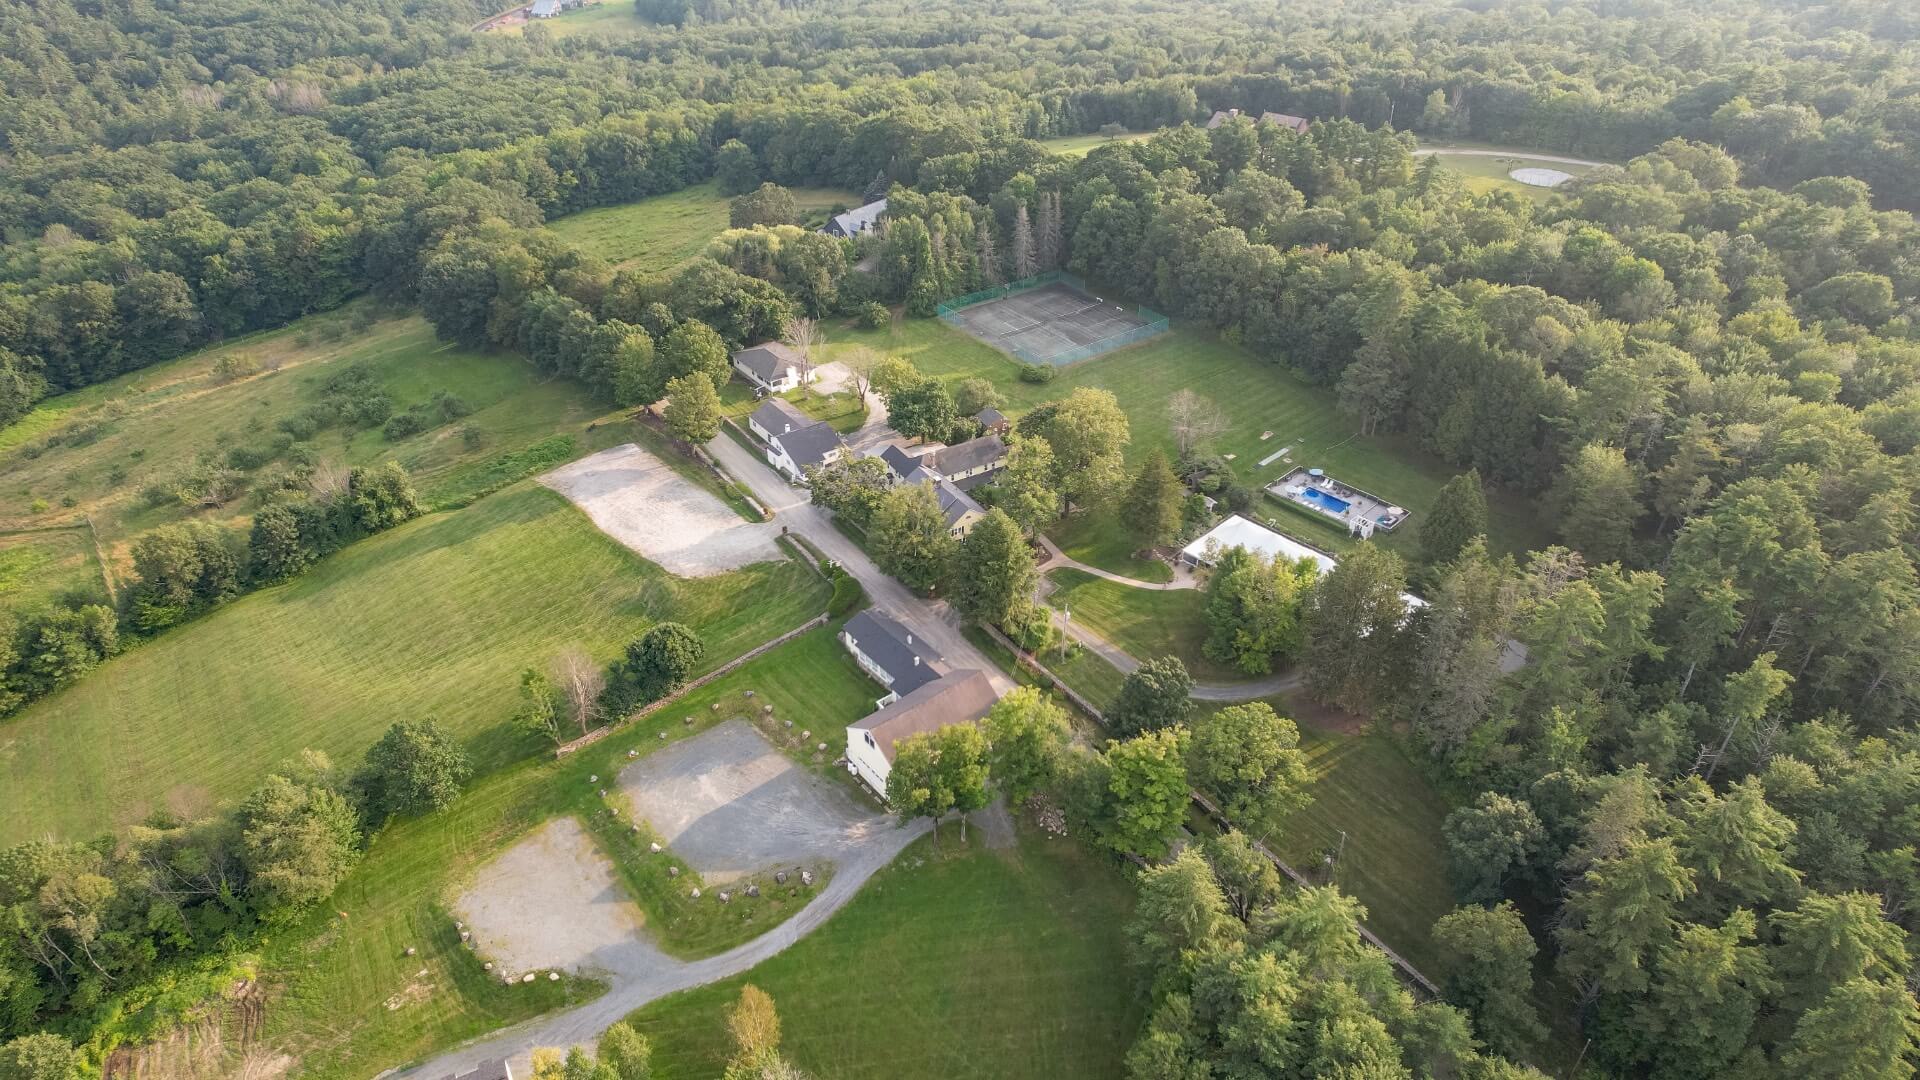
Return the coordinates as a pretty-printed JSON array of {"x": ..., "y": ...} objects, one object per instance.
[
  {"x": 843, "y": 410},
  {"x": 435, "y": 618},
  {"x": 1082, "y": 145},
  {"x": 1392, "y": 859},
  {"x": 333, "y": 977},
  {"x": 604, "y": 18},
  {"x": 115, "y": 439},
  {"x": 1257, "y": 397},
  {"x": 971, "y": 963},
  {"x": 1098, "y": 538},
  {"x": 1483, "y": 174},
  {"x": 41, "y": 565},
  {"x": 664, "y": 231},
  {"x": 1145, "y": 622}
]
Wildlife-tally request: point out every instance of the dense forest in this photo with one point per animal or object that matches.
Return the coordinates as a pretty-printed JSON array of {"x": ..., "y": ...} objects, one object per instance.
[{"x": 1695, "y": 796}]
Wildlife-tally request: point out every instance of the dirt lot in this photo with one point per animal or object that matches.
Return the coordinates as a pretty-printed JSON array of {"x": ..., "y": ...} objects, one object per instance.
[
  {"x": 552, "y": 902},
  {"x": 636, "y": 499},
  {"x": 730, "y": 804}
]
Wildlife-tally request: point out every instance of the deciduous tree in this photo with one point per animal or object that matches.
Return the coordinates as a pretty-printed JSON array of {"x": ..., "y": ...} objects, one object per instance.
[
  {"x": 1249, "y": 758},
  {"x": 1028, "y": 734},
  {"x": 1155, "y": 695},
  {"x": 693, "y": 409},
  {"x": 909, "y": 536}
]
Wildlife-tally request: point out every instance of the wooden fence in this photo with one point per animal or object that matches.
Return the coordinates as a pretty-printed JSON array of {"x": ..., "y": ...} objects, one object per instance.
[
  {"x": 1207, "y": 806},
  {"x": 599, "y": 733}
]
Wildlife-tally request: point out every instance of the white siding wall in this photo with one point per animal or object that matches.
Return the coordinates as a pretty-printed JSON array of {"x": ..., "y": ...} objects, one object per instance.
[{"x": 867, "y": 762}]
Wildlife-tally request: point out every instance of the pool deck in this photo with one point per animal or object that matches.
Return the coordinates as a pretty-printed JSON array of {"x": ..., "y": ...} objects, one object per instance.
[{"x": 1302, "y": 488}]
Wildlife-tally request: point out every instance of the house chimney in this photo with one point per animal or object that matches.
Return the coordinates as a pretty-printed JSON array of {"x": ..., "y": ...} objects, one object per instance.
[
  {"x": 909, "y": 639},
  {"x": 916, "y": 661}
]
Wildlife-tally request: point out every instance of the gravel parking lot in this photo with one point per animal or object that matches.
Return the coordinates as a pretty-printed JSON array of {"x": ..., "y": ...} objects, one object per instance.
[
  {"x": 730, "y": 804},
  {"x": 551, "y": 901},
  {"x": 636, "y": 499}
]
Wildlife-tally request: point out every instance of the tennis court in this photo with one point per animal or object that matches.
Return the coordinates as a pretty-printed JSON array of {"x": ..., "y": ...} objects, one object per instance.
[{"x": 1056, "y": 323}]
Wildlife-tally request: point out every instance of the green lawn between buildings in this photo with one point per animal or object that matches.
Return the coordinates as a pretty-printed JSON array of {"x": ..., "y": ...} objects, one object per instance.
[
  {"x": 1257, "y": 397},
  {"x": 1145, "y": 622},
  {"x": 663, "y": 231},
  {"x": 968, "y": 963},
  {"x": 434, "y": 618}
]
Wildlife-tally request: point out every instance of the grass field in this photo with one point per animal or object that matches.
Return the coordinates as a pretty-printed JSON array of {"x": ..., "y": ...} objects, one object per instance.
[
  {"x": 1257, "y": 397},
  {"x": 971, "y": 963},
  {"x": 842, "y": 410},
  {"x": 41, "y": 565},
  {"x": 1081, "y": 145},
  {"x": 666, "y": 230},
  {"x": 605, "y": 18},
  {"x": 100, "y": 447},
  {"x": 1484, "y": 174},
  {"x": 1100, "y": 539},
  {"x": 1145, "y": 622},
  {"x": 333, "y": 977},
  {"x": 435, "y": 618}
]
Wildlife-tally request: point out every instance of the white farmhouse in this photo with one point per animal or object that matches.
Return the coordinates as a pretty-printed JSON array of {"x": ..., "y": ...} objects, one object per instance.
[{"x": 958, "y": 697}]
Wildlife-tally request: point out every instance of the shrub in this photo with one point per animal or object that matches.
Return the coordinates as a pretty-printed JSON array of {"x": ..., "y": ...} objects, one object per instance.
[
  {"x": 308, "y": 422},
  {"x": 234, "y": 365},
  {"x": 1036, "y": 373},
  {"x": 401, "y": 425},
  {"x": 258, "y": 453},
  {"x": 848, "y": 596},
  {"x": 874, "y": 315},
  {"x": 472, "y": 436},
  {"x": 450, "y": 406}
]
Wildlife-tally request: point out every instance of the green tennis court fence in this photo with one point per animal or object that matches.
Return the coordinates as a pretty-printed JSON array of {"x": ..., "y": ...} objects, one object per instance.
[{"x": 1011, "y": 288}]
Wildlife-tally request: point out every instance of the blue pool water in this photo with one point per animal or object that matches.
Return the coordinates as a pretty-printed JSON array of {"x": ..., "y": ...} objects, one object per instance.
[{"x": 1318, "y": 498}]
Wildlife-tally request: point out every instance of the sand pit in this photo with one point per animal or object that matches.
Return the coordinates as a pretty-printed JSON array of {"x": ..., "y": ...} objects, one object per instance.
[
  {"x": 730, "y": 804},
  {"x": 551, "y": 901},
  {"x": 684, "y": 529},
  {"x": 1539, "y": 177}
]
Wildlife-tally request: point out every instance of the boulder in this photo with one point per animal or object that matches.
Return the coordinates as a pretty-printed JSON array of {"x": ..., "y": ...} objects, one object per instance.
[
  {"x": 654, "y": 847},
  {"x": 822, "y": 747},
  {"x": 594, "y": 779},
  {"x": 806, "y": 877},
  {"x": 748, "y": 693},
  {"x": 553, "y": 976},
  {"x": 673, "y": 871},
  {"x": 695, "y": 894},
  {"x": 488, "y": 966},
  {"x": 753, "y": 891},
  {"x": 789, "y": 723},
  {"x": 780, "y": 878},
  {"x": 527, "y": 978},
  {"x": 411, "y": 950},
  {"x": 726, "y": 897}
]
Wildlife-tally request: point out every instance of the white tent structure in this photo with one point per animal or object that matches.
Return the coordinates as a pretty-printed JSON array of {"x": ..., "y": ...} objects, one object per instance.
[{"x": 1239, "y": 532}]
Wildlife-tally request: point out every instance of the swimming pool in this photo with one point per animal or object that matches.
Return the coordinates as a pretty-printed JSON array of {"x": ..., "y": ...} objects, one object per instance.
[{"x": 1314, "y": 497}]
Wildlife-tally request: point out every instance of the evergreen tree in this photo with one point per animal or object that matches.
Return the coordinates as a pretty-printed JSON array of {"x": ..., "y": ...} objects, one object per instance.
[
  {"x": 1459, "y": 514},
  {"x": 1352, "y": 624},
  {"x": 1489, "y": 965},
  {"x": 1151, "y": 509},
  {"x": 1024, "y": 255},
  {"x": 993, "y": 573},
  {"x": 909, "y": 536},
  {"x": 986, "y": 253}
]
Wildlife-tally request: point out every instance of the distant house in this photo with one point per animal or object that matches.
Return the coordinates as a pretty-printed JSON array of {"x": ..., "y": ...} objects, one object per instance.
[
  {"x": 961, "y": 510},
  {"x": 792, "y": 452},
  {"x": 1221, "y": 117},
  {"x": 776, "y": 417},
  {"x": 857, "y": 221},
  {"x": 1286, "y": 120},
  {"x": 1239, "y": 532},
  {"x": 899, "y": 463},
  {"x": 544, "y": 9},
  {"x": 494, "y": 1069},
  {"x": 892, "y": 654},
  {"x": 994, "y": 422},
  {"x": 971, "y": 463},
  {"x": 771, "y": 366},
  {"x": 958, "y": 697}
]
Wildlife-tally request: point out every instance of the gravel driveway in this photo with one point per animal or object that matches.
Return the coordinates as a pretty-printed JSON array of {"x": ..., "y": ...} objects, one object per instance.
[
  {"x": 730, "y": 804},
  {"x": 638, "y": 500},
  {"x": 551, "y": 901}
]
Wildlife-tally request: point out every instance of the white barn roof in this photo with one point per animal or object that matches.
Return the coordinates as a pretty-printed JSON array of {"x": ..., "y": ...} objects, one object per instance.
[{"x": 1237, "y": 531}]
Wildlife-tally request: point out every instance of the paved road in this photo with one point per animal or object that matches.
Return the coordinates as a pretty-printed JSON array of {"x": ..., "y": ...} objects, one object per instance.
[
  {"x": 641, "y": 973},
  {"x": 935, "y": 621},
  {"x": 1511, "y": 154}
]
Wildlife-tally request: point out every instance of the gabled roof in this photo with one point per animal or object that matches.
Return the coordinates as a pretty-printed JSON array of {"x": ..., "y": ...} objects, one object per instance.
[
  {"x": 902, "y": 463},
  {"x": 1220, "y": 117},
  {"x": 493, "y": 1069},
  {"x": 896, "y": 649},
  {"x": 776, "y": 417},
  {"x": 768, "y": 360},
  {"x": 971, "y": 454},
  {"x": 954, "y": 503},
  {"x": 858, "y": 220},
  {"x": 544, "y": 8},
  {"x": 809, "y": 445},
  {"x": 990, "y": 417},
  {"x": 957, "y": 697},
  {"x": 1285, "y": 120}
]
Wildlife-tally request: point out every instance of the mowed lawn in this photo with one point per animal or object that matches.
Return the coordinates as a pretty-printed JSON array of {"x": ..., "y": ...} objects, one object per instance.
[
  {"x": 435, "y": 618},
  {"x": 1483, "y": 174},
  {"x": 1145, "y": 622},
  {"x": 346, "y": 1000},
  {"x": 664, "y": 231},
  {"x": 1257, "y": 396},
  {"x": 94, "y": 452},
  {"x": 606, "y": 17},
  {"x": 1082, "y": 145},
  {"x": 38, "y": 566},
  {"x": 998, "y": 965}
]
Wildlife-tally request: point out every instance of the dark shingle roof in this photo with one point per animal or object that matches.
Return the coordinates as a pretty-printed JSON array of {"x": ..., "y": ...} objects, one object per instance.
[
  {"x": 1285, "y": 120},
  {"x": 967, "y": 455},
  {"x": 895, "y": 648},
  {"x": 775, "y": 417},
  {"x": 953, "y": 502},
  {"x": 767, "y": 360},
  {"x": 955, "y": 698},
  {"x": 902, "y": 463},
  {"x": 990, "y": 417},
  {"x": 809, "y": 445}
]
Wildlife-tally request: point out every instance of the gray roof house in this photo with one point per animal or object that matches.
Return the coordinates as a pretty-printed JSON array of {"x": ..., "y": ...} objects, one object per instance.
[
  {"x": 994, "y": 421},
  {"x": 891, "y": 653},
  {"x": 492, "y": 1069},
  {"x": 1286, "y": 120},
  {"x": 769, "y": 365},
  {"x": 856, "y": 221},
  {"x": 544, "y": 9},
  {"x": 776, "y": 417},
  {"x": 970, "y": 463},
  {"x": 793, "y": 451},
  {"x": 899, "y": 462},
  {"x": 959, "y": 507},
  {"x": 1220, "y": 117}
]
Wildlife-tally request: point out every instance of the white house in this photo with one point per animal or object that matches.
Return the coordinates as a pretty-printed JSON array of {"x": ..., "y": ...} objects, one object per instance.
[
  {"x": 771, "y": 366},
  {"x": 958, "y": 697},
  {"x": 892, "y": 654},
  {"x": 854, "y": 222},
  {"x": 971, "y": 463},
  {"x": 793, "y": 452},
  {"x": 776, "y": 416}
]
